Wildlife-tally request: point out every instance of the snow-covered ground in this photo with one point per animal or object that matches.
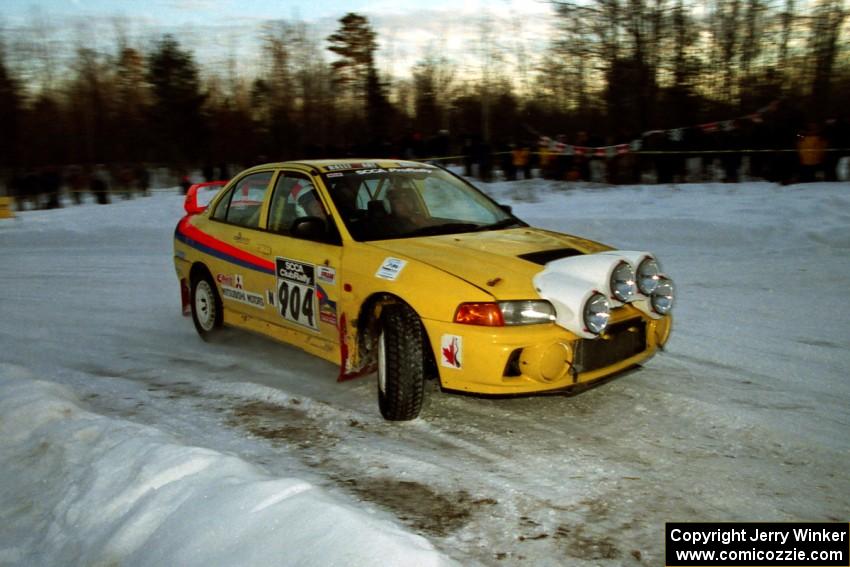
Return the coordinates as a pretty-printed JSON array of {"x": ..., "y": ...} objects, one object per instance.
[{"x": 124, "y": 439}]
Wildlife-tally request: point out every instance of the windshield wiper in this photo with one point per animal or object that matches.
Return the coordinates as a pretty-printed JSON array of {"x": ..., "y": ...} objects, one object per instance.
[
  {"x": 448, "y": 228},
  {"x": 504, "y": 223}
]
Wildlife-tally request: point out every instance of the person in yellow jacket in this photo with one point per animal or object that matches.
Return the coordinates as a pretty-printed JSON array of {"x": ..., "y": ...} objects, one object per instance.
[
  {"x": 546, "y": 155},
  {"x": 811, "y": 148},
  {"x": 520, "y": 156}
]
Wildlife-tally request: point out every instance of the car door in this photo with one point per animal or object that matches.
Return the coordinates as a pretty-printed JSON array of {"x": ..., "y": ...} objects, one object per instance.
[
  {"x": 305, "y": 286},
  {"x": 240, "y": 272}
]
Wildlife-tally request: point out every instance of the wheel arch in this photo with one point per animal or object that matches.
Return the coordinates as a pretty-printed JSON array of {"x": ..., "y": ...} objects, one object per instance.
[
  {"x": 369, "y": 328},
  {"x": 198, "y": 270}
]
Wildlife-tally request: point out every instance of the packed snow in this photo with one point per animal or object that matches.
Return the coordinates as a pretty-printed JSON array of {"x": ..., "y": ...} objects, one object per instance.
[{"x": 125, "y": 439}]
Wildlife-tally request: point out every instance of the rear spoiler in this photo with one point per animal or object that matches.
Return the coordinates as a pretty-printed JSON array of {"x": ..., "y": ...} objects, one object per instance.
[{"x": 191, "y": 204}]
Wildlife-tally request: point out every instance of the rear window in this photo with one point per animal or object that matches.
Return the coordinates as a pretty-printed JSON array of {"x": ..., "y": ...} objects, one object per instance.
[{"x": 244, "y": 201}]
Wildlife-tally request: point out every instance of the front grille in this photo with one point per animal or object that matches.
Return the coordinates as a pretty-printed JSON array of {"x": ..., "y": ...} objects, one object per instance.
[{"x": 619, "y": 342}]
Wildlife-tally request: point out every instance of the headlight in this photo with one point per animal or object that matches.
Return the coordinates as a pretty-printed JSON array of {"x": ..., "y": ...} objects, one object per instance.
[
  {"x": 527, "y": 312},
  {"x": 663, "y": 296},
  {"x": 622, "y": 282},
  {"x": 648, "y": 276},
  {"x": 597, "y": 311}
]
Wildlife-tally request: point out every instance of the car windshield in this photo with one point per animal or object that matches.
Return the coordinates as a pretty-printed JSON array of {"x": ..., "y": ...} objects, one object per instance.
[{"x": 385, "y": 203}]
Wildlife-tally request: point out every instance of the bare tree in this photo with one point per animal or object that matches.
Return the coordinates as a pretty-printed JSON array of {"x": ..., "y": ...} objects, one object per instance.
[
  {"x": 828, "y": 20},
  {"x": 314, "y": 93},
  {"x": 433, "y": 85},
  {"x": 787, "y": 19}
]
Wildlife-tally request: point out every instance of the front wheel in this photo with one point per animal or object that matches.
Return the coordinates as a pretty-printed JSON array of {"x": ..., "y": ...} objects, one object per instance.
[
  {"x": 401, "y": 368},
  {"x": 206, "y": 307}
]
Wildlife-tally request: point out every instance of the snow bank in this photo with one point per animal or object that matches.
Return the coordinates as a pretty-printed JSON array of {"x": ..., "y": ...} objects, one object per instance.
[{"x": 83, "y": 489}]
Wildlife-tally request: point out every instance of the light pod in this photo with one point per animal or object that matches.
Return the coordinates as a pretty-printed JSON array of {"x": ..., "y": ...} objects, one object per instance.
[{"x": 579, "y": 306}]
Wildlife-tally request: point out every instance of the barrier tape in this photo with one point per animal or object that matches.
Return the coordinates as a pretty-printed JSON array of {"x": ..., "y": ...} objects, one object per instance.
[
  {"x": 701, "y": 152},
  {"x": 594, "y": 152}
]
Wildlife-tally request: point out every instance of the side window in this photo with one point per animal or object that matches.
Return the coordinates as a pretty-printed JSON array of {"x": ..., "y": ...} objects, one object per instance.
[
  {"x": 295, "y": 197},
  {"x": 242, "y": 205}
]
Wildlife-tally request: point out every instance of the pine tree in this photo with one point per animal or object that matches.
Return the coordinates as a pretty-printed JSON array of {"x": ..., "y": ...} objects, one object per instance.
[
  {"x": 9, "y": 108},
  {"x": 177, "y": 101},
  {"x": 355, "y": 43}
]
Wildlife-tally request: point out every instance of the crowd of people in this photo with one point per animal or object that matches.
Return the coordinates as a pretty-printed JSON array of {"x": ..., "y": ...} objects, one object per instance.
[
  {"x": 777, "y": 150},
  {"x": 43, "y": 187},
  {"x": 768, "y": 150}
]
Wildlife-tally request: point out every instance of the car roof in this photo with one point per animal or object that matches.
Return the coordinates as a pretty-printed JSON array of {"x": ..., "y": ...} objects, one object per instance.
[{"x": 346, "y": 164}]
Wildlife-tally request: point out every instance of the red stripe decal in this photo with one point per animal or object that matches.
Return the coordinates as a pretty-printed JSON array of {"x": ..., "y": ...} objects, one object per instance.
[{"x": 193, "y": 233}]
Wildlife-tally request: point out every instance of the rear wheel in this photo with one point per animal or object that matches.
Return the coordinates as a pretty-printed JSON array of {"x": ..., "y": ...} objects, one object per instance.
[
  {"x": 206, "y": 306},
  {"x": 401, "y": 368}
]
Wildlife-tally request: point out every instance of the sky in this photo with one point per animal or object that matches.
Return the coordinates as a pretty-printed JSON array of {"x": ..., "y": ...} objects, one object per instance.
[
  {"x": 127, "y": 440},
  {"x": 224, "y": 11},
  {"x": 218, "y": 29}
]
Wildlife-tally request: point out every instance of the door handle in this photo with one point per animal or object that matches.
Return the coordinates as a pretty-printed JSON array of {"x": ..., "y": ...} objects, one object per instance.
[{"x": 263, "y": 249}]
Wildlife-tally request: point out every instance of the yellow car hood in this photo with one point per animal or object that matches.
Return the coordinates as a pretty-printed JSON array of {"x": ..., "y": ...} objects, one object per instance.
[{"x": 490, "y": 260}]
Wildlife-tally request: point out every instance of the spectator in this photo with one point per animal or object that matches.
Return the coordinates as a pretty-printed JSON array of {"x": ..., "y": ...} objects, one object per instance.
[
  {"x": 185, "y": 183},
  {"x": 581, "y": 162},
  {"x": 76, "y": 181},
  {"x": 31, "y": 189},
  {"x": 546, "y": 157},
  {"x": 468, "y": 156},
  {"x": 731, "y": 144},
  {"x": 17, "y": 189},
  {"x": 124, "y": 180},
  {"x": 51, "y": 183},
  {"x": 99, "y": 185},
  {"x": 811, "y": 148},
  {"x": 837, "y": 136},
  {"x": 143, "y": 179},
  {"x": 507, "y": 163},
  {"x": 521, "y": 162}
]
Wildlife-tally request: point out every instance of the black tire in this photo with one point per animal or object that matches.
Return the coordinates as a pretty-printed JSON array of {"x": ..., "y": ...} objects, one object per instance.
[
  {"x": 401, "y": 367},
  {"x": 207, "y": 310}
]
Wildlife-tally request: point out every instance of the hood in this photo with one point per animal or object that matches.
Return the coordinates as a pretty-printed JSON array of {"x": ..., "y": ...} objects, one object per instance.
[{"x": 501, "y": 262}]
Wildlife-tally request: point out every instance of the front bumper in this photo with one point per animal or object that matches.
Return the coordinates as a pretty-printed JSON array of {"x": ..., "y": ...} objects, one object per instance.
[{"x": 540, "y": 358}]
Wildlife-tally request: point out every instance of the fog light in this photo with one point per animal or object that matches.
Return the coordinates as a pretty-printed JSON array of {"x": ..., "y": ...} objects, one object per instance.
[
  {"x": 597, "y": 311},
  {"x": 546, "y": 363}
]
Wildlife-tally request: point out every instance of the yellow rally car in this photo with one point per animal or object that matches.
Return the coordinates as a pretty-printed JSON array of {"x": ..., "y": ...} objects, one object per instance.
[{"x": 407, "y": 269}]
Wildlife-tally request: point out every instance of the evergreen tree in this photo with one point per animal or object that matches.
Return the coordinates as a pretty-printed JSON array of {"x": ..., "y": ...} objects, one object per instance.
[
  {"x": 9, "y": 109},
  {"x": 177, "y": 102},
  {"x": 355, "y": 44}
]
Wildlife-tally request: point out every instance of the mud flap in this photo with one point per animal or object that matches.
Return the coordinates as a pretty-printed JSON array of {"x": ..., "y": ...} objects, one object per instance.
[
  {"x": 346, "y": 372},
  {"x": 185, "y": 298}
]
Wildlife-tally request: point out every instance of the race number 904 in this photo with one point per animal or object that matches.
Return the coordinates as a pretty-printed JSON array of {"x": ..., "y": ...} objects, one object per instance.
[
  {"x": 296, "y": 303},
  {"x": 296, "y": 292}
]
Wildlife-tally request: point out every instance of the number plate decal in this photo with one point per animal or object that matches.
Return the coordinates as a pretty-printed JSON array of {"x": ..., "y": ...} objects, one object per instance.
[{"x": 296, "y": 292}]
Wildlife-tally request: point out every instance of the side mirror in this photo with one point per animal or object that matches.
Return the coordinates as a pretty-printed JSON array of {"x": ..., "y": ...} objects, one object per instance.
[
  {"x": 195, "y": 203},
  {"x": 309, "y": 228},
  {"x": 507, "y": 208}
]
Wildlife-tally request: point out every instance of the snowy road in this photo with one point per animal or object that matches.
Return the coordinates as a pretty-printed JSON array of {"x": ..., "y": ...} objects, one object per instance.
[{"x": 744, "y": 418}]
